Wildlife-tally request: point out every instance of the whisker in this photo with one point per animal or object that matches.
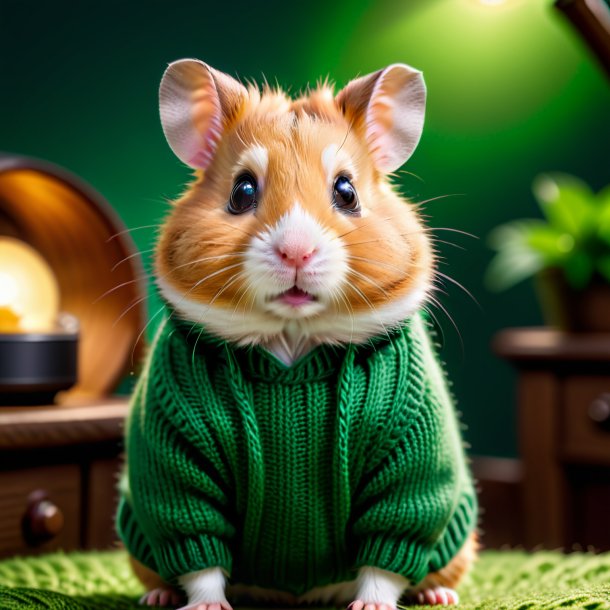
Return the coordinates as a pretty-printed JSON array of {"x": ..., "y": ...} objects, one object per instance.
[
  {"x": 339, "y": 292},
  {"x": 244, "y": 291},
  {"x": 226, "y": 224},
  {"x": 431, "y": 229},
  {"x": 438, "y": 304},
  {"x": 376, "y": 262},
  {"x": 449, "y": 243},
  {"x": 368, "y": 279},
  {"x": 154, "y": 277},
  {"x": 211, "y": 275},
  {"x": 349, "y": 128},
  {"x": 404, "y": 171},
  {"x": 436, "y": 322},
  {"x": 130, "y": 230},
  {"x": 133, "y": 349},
  {"x": 126, "y": 311},
  {"x": 139, "y": 253},
  {"x": 202, "y": 260},
  {"x": 454, "y": 231},
  {"x": 235, "y": 277},
  {"x": 371, "y": 306},
  {"x": 360, "y": 227},
  {"x": 425, "y": 201},
  {"x": 456, "y": 283},
  {"x": 184, "y": 296},
  {"x": 136, "y": 279}
]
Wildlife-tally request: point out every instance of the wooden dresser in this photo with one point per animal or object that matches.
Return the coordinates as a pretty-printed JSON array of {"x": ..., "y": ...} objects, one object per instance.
[
  {"x": 564, "y": 434},
  {"x": 58, "y": 475}
]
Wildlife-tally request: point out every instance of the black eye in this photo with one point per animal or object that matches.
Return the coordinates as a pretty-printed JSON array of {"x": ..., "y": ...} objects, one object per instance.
[
  {"x": 344, "y": 195},
  {"x": 243, "y": 195}
]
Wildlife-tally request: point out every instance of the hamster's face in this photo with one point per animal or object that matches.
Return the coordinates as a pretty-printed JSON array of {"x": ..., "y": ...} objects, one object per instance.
[{"x": 291, "y": 221}]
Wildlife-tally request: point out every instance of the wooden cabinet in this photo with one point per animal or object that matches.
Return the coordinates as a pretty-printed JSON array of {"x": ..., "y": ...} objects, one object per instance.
[
  {"x": 564, "y": 434},
  {"x": 59, "y": 470}
]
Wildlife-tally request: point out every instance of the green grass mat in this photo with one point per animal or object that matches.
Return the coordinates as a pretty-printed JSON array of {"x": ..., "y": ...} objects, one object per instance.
[{"x": 507, "y": 580}]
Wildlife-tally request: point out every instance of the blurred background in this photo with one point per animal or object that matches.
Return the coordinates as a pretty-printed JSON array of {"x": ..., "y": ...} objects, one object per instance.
[{"x": 513, "y": 91}]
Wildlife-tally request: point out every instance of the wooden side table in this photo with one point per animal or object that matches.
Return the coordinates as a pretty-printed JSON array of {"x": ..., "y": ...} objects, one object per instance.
[
  {"x": 564, "y": 434},
  {"x": 58, "y": 475}
]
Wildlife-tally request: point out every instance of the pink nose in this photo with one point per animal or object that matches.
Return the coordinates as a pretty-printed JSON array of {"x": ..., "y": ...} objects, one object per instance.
[{"x": 295, "y": 254}]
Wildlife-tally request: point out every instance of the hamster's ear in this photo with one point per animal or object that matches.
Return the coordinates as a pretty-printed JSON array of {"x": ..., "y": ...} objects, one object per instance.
[
  {"x": 390, "y": 106},
  {"x": 196, "y": 103}
]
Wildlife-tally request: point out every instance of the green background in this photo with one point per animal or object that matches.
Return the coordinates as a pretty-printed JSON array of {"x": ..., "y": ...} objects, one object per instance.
[{"x": 512, "y": 92}]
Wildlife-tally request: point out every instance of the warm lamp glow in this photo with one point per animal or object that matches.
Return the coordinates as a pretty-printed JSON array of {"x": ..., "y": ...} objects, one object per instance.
[{"x": 29, "y": 295}]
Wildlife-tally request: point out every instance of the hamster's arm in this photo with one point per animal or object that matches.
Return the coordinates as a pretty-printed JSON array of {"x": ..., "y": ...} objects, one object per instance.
[
  {"x": 414, "y": 509},
  {"x": 173, "y": 515}
]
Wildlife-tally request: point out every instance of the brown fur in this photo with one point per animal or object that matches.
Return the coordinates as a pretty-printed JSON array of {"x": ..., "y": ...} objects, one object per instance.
[
  {"x": 149, "y": 578},
  {"x": 389, "y": 233},
  {"x": 452, "y": 574}
]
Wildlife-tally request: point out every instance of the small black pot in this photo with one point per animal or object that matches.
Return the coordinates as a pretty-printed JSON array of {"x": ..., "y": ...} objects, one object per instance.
[{"x": 35, "y": 366}]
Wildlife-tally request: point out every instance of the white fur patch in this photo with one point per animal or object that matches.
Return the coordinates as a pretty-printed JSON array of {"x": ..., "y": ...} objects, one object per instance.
[
  {"x": 376, "y": 586},
  {"x": 336, "y": 160},
  {"x": 325, "y": 271},
  {"x": 288, "y": 340},
  {"x": 204, "y": 586},
  {"x": 254, "y": 159}
]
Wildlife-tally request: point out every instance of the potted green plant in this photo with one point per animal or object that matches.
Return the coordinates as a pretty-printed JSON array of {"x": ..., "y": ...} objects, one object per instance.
[{"x": 567, "y": 252}]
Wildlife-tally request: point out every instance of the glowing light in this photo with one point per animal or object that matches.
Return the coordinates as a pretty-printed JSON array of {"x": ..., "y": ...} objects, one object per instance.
[
  {"x": 29, "y": 294},
  {"x": 9, "y": 290}
]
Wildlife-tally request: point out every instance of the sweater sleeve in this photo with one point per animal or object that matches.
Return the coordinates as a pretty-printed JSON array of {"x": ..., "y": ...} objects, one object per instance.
[
  {"x": 415, "y": 508},
  {"x": 174, "y": 514}
]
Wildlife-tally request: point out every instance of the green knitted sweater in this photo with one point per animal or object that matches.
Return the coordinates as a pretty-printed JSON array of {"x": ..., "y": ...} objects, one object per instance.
[{"x": 294, "y": 477}]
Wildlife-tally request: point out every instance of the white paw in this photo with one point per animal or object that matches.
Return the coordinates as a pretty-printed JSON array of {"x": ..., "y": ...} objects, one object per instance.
[
  {"x": 161, "y": 597},
  {"x": 437, "y": 596},
  {"x": 362, "y": 605}
]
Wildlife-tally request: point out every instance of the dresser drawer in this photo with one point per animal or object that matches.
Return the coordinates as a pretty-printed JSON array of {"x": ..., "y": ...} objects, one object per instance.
[
  {"x": 40, "y": 509},
  {"x": 585, "y": 426}
]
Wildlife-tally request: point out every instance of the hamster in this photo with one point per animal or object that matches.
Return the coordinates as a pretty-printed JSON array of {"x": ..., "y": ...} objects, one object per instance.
[{"x": 289, "y": 249}]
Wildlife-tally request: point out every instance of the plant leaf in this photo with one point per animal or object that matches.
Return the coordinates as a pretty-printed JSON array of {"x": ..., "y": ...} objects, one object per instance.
[
  {"x": 512, "y": 233},
  {"x": 511, "y": 266},
  {"x": 567, "y": 203},
  {"x": 553, "y": 245}
]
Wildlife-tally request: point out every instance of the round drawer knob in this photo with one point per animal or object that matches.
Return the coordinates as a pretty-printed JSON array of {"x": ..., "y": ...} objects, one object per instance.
[
  {"x": 43, "y": 519},
  {"x": 599, "y": 411}
]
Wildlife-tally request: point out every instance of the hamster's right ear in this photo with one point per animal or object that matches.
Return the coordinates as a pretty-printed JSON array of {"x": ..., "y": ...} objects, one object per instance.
[
  {"x": 196, "y": 103},
  {"x": 390, "y": 104}
]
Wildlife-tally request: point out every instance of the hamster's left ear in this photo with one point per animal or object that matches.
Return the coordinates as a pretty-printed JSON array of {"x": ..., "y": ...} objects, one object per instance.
[{"x": 389, "y": 105}]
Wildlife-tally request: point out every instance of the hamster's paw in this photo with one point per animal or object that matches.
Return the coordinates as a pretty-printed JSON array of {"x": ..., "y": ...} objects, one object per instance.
[
  {"x": 224, "y": 605},
  {"x": 362, "y": 605},
  {"x": 437, "y": 596},
  {"x": 163, "y": 596}
]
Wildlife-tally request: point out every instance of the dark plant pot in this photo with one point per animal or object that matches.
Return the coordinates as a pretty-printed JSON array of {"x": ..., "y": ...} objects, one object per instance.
[{"x": 563, "y": 307}]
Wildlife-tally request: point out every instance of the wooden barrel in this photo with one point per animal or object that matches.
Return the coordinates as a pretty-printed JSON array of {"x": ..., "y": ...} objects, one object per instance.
[{"x": 94, "y": 259}]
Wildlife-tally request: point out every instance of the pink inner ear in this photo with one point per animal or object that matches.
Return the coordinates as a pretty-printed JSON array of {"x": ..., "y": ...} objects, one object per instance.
[
  {"x": 206, "y": 117},
  {"x": 379, "y": 121}
]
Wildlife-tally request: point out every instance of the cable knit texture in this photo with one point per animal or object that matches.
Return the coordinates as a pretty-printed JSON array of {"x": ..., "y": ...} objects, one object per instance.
[{"x": 294, "y": 477}]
